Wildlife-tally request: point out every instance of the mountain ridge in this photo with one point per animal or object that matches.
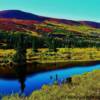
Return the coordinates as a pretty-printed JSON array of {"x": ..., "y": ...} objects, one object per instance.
[{"x": 18, "y": 14}]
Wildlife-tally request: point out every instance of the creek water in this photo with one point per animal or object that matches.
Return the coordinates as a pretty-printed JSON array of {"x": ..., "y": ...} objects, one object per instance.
[{"x": 33, "y": 82}]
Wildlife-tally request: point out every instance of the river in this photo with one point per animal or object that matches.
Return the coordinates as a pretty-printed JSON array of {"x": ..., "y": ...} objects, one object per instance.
[{"x": 32, "y": 82}]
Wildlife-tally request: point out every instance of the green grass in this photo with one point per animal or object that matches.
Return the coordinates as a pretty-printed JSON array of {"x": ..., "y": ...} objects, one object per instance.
[
  {"x": 78, "y": 28},
  {"x": 44, "y": 56},
  {"x": 83, "y": 87}
]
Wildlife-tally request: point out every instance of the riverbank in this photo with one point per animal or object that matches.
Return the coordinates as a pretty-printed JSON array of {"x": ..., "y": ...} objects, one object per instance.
[
  {"x": 46, "y": 61},
  {"x": 83, "y": 87},
  {"x": 45, "y": 56},
  {"x": 35, "y": 67}
]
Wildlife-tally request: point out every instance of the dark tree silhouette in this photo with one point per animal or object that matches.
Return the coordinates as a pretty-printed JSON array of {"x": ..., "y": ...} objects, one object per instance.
[
  {"x": 20, "y": 47},
  {"x": 35, "y": 44},
  {"x": 51, "y": 43}
]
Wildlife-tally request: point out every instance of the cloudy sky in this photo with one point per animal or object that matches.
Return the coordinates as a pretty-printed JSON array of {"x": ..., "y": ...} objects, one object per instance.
[{"x": 67, "y": 9}]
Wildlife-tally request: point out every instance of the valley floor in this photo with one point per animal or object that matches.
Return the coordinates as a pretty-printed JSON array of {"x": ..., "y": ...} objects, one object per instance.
[{"x": 62, "y": 55}]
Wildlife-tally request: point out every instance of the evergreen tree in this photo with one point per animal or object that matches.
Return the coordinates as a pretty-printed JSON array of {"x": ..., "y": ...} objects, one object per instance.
[
  {"x": 34, "y": 44},
  {"x": 20, "y": 47},
  {"x": 51, "y": 43}
]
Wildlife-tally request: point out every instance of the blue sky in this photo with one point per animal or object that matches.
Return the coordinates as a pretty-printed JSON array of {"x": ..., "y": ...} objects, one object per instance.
[{"x": 66, "y": 9}]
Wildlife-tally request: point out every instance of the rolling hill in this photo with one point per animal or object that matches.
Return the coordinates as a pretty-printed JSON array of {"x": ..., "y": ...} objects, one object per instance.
[
  {"x": 20, "y": 21},
  {"x": 17, "y": 14}
]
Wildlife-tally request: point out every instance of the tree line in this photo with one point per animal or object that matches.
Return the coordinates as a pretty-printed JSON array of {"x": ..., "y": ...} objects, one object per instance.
[{"x": 20, "y": 41}]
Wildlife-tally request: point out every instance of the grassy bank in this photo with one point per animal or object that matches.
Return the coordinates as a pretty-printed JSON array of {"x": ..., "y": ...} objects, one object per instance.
[
  {"x": 82, "y": 87},
  {"x": 62, "y": 55},
  {"x": 46, "y": 60}
]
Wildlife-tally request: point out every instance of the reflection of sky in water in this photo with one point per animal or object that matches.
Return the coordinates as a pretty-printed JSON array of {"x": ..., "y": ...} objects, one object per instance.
[
  {"x": 9, "y": 87},
  {"x": 37, "y": 81}
]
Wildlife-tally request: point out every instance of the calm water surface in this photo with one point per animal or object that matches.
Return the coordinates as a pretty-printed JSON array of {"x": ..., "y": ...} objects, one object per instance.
[{"x": 33, "y": 82}]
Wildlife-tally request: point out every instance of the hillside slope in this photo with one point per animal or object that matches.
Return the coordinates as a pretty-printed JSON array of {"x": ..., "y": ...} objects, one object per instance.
[
  {"x": 17, "y": 14},
  {"x": 18, "y": 21}
]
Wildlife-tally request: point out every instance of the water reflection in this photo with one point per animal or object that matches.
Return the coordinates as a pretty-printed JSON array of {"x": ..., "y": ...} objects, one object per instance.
[
  {"x": 21, "y": 72},
  {"x": 26, "y": 84}
]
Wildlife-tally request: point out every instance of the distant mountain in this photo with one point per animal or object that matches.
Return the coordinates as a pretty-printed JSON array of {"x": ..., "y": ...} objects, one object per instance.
[
  {"x": 90, "y": 23},
  {"x": 17, "y": 14}
]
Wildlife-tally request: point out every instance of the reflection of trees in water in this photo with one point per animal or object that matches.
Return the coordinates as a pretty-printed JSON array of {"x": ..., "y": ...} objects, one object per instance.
[
  {"x": 20, "y": 72},
  {"x": 20, "y": 58}
]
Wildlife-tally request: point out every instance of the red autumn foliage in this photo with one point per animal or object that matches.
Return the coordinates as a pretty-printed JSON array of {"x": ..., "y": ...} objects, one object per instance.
[
  {"x": 17, "y": 25},
  {"x": 21, "y": 25}
]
